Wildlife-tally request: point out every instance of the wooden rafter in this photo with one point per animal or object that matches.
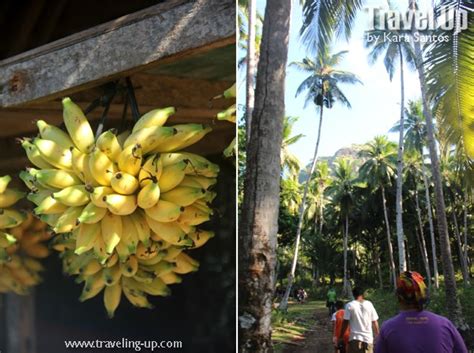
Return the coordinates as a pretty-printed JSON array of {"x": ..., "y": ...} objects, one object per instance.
[{"x": 145, "y": 39}]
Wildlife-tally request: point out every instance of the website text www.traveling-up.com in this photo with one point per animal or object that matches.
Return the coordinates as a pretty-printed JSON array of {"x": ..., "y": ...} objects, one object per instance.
[{"x": 124, "y": 343}]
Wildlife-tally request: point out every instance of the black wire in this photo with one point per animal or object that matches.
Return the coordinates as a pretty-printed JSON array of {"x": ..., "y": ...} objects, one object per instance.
[{"x": 133, "y": 100}]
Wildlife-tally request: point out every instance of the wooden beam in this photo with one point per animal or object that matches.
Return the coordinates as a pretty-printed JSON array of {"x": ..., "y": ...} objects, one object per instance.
[
  {"x": 20, "y": 318},
  {"x": 159, "y": 34}
]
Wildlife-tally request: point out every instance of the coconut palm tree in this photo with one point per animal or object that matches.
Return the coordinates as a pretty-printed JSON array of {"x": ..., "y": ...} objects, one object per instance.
[
  {"x": 378, "y": 170},
  {"x": 394, "y": 51},
  {"x": 415, "y": 139},
  {"x": 289, "y": 161},
  {"x": 323, "y": 19},
  {"x": 413, "y": 165},
  {"x": 322, "y": 86},
  {"x": 342, "y": 191},
  {"x": 316, "y": 196},
  {"x": 250, "y": 6},
  {"x": 259, "y": 215},
  {"x": 444, "y": 64}
]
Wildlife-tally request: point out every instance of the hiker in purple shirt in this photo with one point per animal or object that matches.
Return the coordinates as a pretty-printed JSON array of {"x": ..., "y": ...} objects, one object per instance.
[{"x": 415, "y": 330}]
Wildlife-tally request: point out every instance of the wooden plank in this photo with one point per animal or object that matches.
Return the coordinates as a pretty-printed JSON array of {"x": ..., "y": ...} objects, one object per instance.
[
  {"x": 20, "y": 316},
  {"x": 174, "y": 29}
]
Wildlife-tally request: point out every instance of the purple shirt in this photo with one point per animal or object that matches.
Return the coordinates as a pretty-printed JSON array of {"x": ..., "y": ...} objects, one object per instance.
[{"x": 419, "y": 332}]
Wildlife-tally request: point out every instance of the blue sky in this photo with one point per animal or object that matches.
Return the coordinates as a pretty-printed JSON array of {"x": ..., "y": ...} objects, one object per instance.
[{"x": 375, "y": 104}]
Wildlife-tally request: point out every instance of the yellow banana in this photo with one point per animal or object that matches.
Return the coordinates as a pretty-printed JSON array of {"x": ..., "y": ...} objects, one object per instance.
[
  {"x": 76, "y": 195},
  {"x": 10, "y": 218},
  {"x": 162, "y": 268},
  {"x": 129, "y": 235},
  {"x": 99, "y": 250},
  {"x": 57, "y": 178},
  {"x": 121, "y": 205},
  {"x": 111, "y": 275},
  {"x": 92, "y": 213},
  {"x": 54, "y": 154},
  {"x": 200, "y": 237},
  {"x": 129, "y": 268},
  {"x": 148, "y": 252},
  {"x": 101, "y": 167},
  {"x": 172, "y": 176},
  {"x": 98, "y": 194},
  {"x": 150, "y": 137},
  {"x": 193, "y": 216},
  {"x": 170, "y": 232},
  {"x": 6, "y": 240},
  {"x": 155, "y": 117},
  {"x": 164, "y": 211},
  {"x": 198, "y": 181},
  {"x": 85, "y": 236},
  {"x": 203, "y": 206},
  {"x": 155, "y": 287},
  {"x": 172, "y": 252},
  {"x": 50, "y": 205},
  {"x": 185, "y": 264},
  {"x": 34, "y": 155},
  {"x": 122, "y": 251},
  {"x": 111, "y": 226},
  {"x": 148, "y": 195},
  {"x": 141, "y": 227},
  {"x": 183, "y": 195},
  {"x": 171, "y": 278},
  {"x": 197, "y": 165},
  {"x": 93, "y": 286},
  {"x": 112, "y": 295},
  {"x": 9, "y": 197},
  {"x": 186, "y": 135},
  {"x": 108, "y": 143},
  {"x": 77, "y": 126},
  {"x": 4, "y": 181},
  {"x": 90, "y": 268},
  {"x": 53, "y": 133},
  {"x": 68, "y": 221},
  {"x": 135, "y": 296},
  {"x": 130, "y": 159},
  {"x": 124, "y": 183},
  {"x": 151, "y": 170}
]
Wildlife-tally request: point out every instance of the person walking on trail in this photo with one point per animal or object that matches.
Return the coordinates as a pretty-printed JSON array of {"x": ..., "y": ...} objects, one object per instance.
[
  {"x": 361, "y": 317},
  {"x": 338, "y": 319},
  {"x": 331, "y": 300},
  {"x": 415, "y": 330}
]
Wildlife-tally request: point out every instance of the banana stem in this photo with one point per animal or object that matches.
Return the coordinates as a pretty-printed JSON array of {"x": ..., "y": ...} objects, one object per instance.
[{"x": 133, "y": 100}]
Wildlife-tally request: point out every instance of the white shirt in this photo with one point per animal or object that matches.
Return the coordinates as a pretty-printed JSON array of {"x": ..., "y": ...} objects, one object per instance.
[
  {"x": 333, "y": 317},
  {"x": 360, "y": 316}
]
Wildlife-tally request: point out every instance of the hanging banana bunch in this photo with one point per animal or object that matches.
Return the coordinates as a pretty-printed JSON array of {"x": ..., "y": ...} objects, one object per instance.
[
  {"x": 22, "y": 240},
  {"x": 124, "y": 208},
  {"x": 230, "y": 115}
]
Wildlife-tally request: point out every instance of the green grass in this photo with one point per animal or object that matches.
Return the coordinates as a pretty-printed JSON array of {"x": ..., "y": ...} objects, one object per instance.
[{"x": 292, "y": 325}]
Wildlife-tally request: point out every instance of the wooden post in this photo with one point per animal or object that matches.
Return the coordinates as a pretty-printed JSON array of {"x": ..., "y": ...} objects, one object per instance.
[{"x": 20, "y": 323}]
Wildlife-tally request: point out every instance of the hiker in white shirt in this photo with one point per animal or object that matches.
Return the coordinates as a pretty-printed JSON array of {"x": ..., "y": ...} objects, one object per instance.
[{"x": 362, "y": 318}]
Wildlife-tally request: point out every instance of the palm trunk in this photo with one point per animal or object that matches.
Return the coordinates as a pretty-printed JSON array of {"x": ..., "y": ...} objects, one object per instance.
[
  {"x": 462, "y": 259},
  {"x": 391, "y": 263},
  {"x": 250, "y": 91},
  {"x": 421, "y": 239},
  {"x": 453, "y": 304},
  {"x": 321, "y": 213},
  {"x": 291, "y": 277},
  {"x": 430, "y": 221},
  {"x": 378, "y": 269},
  {"x": 346, "y": 287},
  {"x": 402, "y": 265},
  {"x": 259, "y": 215},
  {"x": 466, "y": 253}
]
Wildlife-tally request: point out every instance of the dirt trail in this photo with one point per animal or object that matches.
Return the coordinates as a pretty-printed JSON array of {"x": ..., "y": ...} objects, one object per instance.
[{"x": 318, "y": 339}]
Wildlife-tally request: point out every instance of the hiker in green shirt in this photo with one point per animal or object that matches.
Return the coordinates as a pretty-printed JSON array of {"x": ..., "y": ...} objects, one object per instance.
[{"x": 331, "y": 301}]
